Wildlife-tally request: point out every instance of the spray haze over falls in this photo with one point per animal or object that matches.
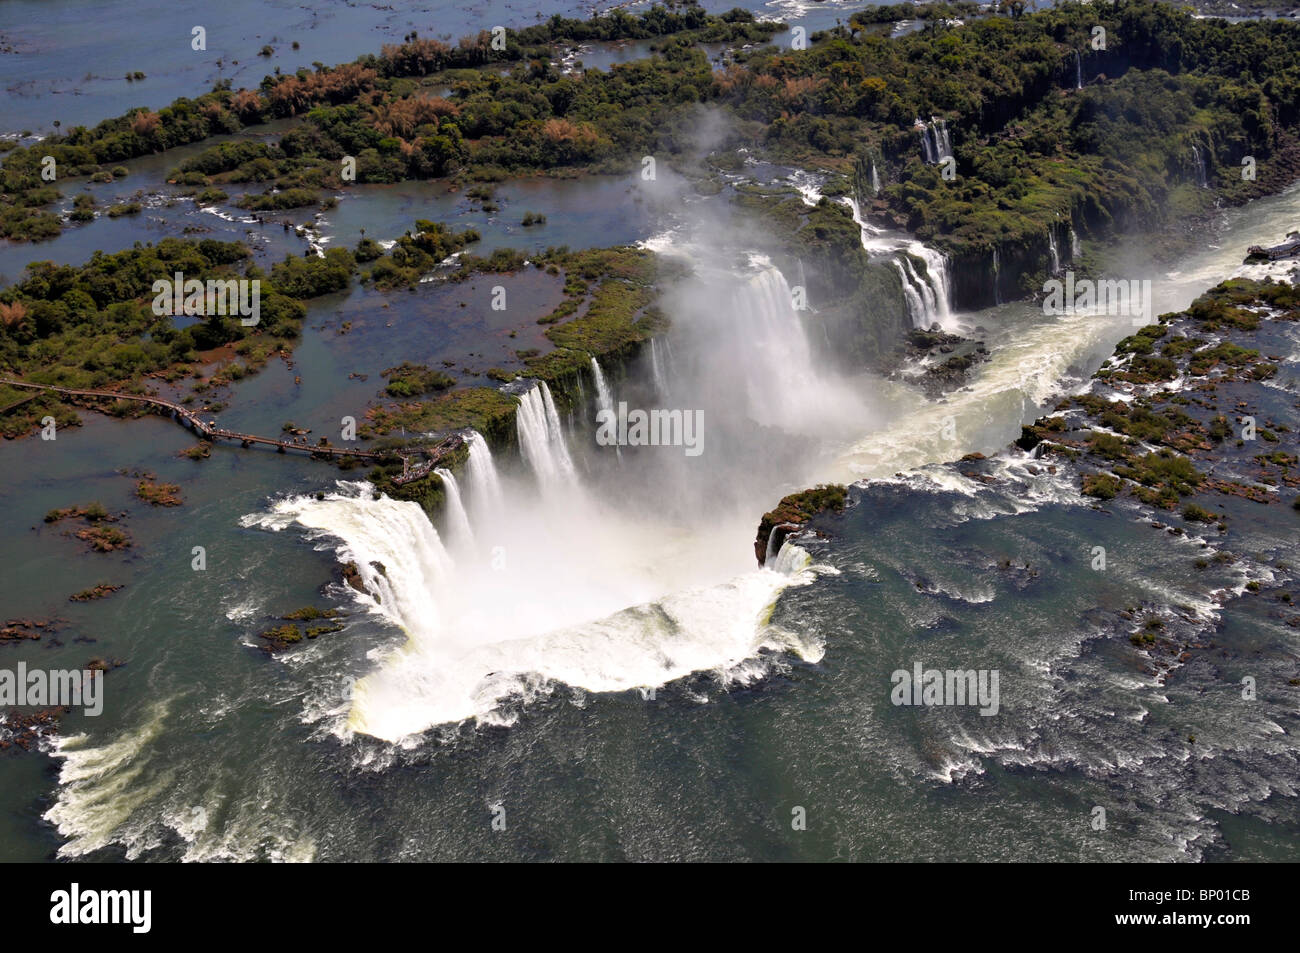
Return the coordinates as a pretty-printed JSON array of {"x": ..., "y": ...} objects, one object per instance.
[
  {"x": 597, "y": 567},
  {"x": 607, "y": 569}
]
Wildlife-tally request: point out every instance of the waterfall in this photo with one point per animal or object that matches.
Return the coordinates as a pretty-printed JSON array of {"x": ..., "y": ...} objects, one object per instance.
[
  {"x": 926, "y": 292},
  {"x": 566, "y": 604},
  {"x": 997, "y": 275},
  {"x": 1200, "y": 166},
  {"x": 604, "y": 397},
  {"x": 1075, "y": 248},
  {"x": 656, "y": 369},
  {"x": 541, "y": 438},
  {"x": 915, "y": 304},
  {"x": 457, "y": 518},
  {"x": 1078, "y": 70},
  {"x": 875, "y": 179},
  {"x": 935, "y": 142},
  {"x": 781, "y": 384},
  {"x": 939, "y": 284},
  {"x": 927, "y": 151},
  {"x": 610, "y": 583},
  {"x": 928, "y": 298},
  {"x": 484, "y": 484},
  {"x": 1052, "y": 250},
  {"x": 942, "y": 144},
  {"x": 604, "y": 400}
]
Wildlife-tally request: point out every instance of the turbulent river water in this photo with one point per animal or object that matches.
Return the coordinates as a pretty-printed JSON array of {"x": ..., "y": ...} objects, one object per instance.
[{"x": 584, "y": 642}]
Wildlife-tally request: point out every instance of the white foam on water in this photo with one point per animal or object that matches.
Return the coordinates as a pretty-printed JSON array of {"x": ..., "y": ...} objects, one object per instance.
[
  {"x": 101, "y": 785},
  {"x": 601, "y": 609}
]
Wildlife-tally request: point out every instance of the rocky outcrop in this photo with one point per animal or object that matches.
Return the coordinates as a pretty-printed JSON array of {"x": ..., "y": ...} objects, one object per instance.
[
  {"x": 950, "y": 359},
  {"x": 1287, "y": 249},
  {"x": 26, "y": 729},
  {"x": 792, "y": 513}
]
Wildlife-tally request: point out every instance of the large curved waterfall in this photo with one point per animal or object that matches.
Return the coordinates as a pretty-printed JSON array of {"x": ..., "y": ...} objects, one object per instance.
[{"x": 544, "y": 573}]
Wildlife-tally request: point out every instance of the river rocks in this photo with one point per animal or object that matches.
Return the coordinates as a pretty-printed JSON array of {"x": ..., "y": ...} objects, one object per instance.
[
  {"x": 25, "y": 730},
  {"x": 1134, "y": 435},
  {"x": 352, "y": 576},
  {"x": 200, "y": 451},
  {"x": 23, "y": 630},
  {"x": 101, "y": 591},
  {"x": 1287, "y": 249},
  {"x": 310, "y": 614},
  {"x": 90, "y": 512},
  {"x": 281, "y": 637},
  {"x": 158, "y": 494},
  {"x": 104, "y": 539},
  {"x": 934, "y": 376}
]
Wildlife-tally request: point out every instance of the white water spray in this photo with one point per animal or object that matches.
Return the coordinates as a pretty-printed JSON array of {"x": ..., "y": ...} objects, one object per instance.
[
  {"x": 457, "y": 519},
  {"x": 541, "y": 438},
  {"x": 657, "y": 371},
  {"x": 1199, "y": 159},
  {"x": 604, "y": 397},
  {"x": 484, "y": 484}
]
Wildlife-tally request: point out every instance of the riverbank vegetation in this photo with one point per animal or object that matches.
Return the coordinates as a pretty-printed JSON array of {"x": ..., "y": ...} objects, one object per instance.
[
  {"x": 1167, "y": 99},
  {"x": 93, "y": 326},
  {"x": 1164, "y": 446}
]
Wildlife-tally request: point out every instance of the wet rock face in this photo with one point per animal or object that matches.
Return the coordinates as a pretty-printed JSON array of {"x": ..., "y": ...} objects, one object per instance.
[{"x": 938, "y": 362}]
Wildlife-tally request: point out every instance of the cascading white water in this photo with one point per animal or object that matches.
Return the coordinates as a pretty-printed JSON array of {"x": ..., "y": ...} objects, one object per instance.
[
  {"x": 485, "y": 495},
  {"x": 777, "y": 347},
  {"x": 997, "y": 276},
  {"x": 613, "y": 579},
  {"x": 457, "y": 519},
  {"x": 865, "y": 232},
  {"x": 927, "y": 150},
  {"x": 1076, "y": 250},
  {"x": 942, "y": 144},
  {"x": 911, "y": 296},
  {"x": 579, "y": 594},
  {"x": 657, "y": 371},
  {"x": 875, "y": 179},
  {"x": 928, "y": 298},
  {"x": 1052, "y": 250},
  {"x": 939, "y": 283},
  {"x": 929, "y": 305},
  {"x": 1078, "y": 70},
  {"x": 1200, "y": 166},
  {"x": 604, "y": 397},
  {"x": 541, "y": 438}
]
